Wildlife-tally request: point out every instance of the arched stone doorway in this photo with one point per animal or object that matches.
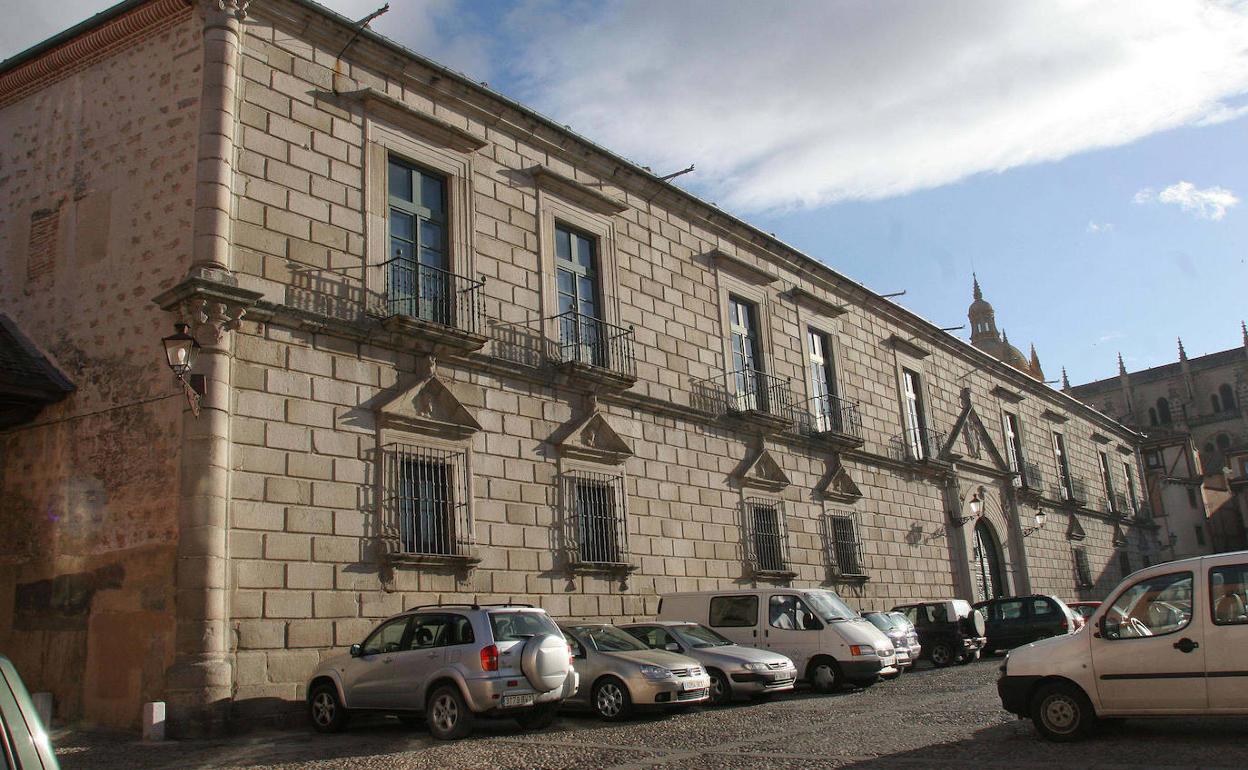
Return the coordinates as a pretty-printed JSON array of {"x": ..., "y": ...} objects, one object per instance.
[{"x": 987, "y": 575}]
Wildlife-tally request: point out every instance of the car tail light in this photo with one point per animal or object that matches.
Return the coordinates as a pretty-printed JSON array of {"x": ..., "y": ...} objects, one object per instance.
[
  {"x": 571, "y": 656},
  {"x": 489, "y": 658}
]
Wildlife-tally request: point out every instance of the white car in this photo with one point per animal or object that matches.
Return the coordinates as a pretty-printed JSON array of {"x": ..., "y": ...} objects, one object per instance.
[{"x": 1170, "y": 640}]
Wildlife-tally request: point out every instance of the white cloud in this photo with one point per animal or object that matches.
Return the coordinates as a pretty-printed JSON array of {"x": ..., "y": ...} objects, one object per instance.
[
  {"x": 810, "y": 102},
  {"x": 1209, "y": 203},
  {"x": 1100, "y": 227}
]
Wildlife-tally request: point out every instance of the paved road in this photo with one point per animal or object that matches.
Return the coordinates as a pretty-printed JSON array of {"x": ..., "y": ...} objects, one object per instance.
[{"x": 930, "y": 718}]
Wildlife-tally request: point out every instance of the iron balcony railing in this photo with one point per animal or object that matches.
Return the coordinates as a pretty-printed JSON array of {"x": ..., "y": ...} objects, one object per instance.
[
  {"x": 1071, "y": 490},
  {"x": 830, "y": 415},
  {"x": 746, "y": 391},
  {"x": 1118, "y": 504},
  {"x": 1033, "y": 477},
  {"x": 593, "y": 342},
  {"x": 435, "y": 295},
  {"x": 1143, "y": 512},
  {"x": 922, "y": 443},
  {"x": 425, "y": 501}
]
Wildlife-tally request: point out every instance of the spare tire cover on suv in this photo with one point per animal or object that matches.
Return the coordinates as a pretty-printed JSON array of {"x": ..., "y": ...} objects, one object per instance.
[
  {"x": 545, "y": 661},
  {"x": 975, "y": 623}
]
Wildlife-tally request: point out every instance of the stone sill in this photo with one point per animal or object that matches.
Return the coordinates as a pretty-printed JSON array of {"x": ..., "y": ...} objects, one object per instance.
[
  {"x": 466, "y": 561},
  {"x": 603, "y": 568},
  {"x": 838, "y": 578},
  {"x": 776, "y": 575}
]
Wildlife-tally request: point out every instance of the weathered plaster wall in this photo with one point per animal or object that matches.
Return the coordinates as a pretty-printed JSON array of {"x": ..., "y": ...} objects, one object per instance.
[{"x": 100, "y": 161}]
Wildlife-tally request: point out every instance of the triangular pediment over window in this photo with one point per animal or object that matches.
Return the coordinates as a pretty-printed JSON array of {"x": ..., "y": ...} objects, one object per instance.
[
  {"x": 838, "y": 485},
  {"x": 1120, "y": 537},
  {"x": 970, "y": 439},
  {"x": 428, "y": 407},
  {"x": 592, "y": 438},
  {"x": 1075, "y": 530},
  {"x": 761, "y": 471}
]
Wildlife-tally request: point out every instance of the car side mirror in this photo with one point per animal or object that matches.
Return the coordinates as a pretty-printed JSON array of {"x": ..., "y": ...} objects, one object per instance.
[
  {"x": 672, "y": 647},
  {"x": 356, "y": 651}
]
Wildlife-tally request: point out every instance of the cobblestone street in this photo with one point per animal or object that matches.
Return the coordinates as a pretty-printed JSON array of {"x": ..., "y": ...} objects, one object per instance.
[{"x": 930, "y": 718}]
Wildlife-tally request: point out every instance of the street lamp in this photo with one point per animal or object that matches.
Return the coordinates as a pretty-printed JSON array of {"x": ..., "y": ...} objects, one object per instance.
[
  {"x": 976, "y": 505},
  {"x": 181, "y": 350},
  {"x": 1041, "y": 517}
]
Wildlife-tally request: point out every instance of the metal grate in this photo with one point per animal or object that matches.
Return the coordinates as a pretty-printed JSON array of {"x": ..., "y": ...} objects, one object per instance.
[
  {"x": 435, "y": 295},
  {"x": 1083, "y": 573},
  {"x": 830, "y": 414},
  {"x": 843, "y": 546},
  {"x": 1033, "y": 477},
  {"x": 591, "y": 341},
  {"x": 425, "y": 500},
  {"x": 597, "y": 520},
  {"x": 768, "y": 543},
  {"x": 745, "y": 391}
]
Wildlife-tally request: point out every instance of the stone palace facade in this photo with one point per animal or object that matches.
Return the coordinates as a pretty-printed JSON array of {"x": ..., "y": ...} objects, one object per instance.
[{"x": 450, "y": 352}]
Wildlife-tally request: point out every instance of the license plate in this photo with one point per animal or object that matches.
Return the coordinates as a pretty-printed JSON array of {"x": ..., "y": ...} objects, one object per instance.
[
  {"x": 695, "y": 684},
  {"x": 511, "y": 701}
]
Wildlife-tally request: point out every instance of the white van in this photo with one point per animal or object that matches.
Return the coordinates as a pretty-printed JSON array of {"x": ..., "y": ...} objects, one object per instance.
[
  {"x": 829, "y": 642},
  {"x": 1171, "y": 639}
]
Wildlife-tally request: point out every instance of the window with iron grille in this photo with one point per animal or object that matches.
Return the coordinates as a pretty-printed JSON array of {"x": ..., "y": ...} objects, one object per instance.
[
  {"x": 1124, "y": 563},
  {"x": 768, "y": 539},
  {"x": 1083, "y": 573},
  {"x": 425, "y": 500},
  {"x": 843, "y": 545},
  {"x": 597, "y": 517}
]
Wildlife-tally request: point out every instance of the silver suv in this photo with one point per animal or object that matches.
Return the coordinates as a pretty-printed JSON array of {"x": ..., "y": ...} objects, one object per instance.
[{"x": 452, "y": 663}]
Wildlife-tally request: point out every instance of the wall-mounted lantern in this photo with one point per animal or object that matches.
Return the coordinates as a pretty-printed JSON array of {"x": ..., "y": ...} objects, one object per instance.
[
  {"x": 976, "y": 504},
  {"x": 1041, "y": 517},
  {"x": 181, "y": 350}
]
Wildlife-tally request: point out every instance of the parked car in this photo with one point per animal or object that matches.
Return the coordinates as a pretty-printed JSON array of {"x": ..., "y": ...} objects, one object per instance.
[
  {"x": 452, "y": 663},
  {"x": 735, "y": 670},
  {"x": 24, "y": 739},
  {"x": 912, "y": 636},
  {"x": 951, "y": 630},
  {"x": 830, "y": 643},
  {"x": 1171, "y": 639},
  {"x": 899, "y": 635},
  {"x": 622, "y": 674},
  {"x": 1016, "y": 620}
]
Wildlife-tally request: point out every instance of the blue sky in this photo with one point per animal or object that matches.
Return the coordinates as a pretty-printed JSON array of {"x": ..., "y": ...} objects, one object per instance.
[{"x": 1085, "y": 157}]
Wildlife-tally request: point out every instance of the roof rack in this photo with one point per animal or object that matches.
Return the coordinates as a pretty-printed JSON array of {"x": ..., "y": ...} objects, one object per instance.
[
  {"x": 471, "y": 606},
  {"x": 510, "y": 604}
]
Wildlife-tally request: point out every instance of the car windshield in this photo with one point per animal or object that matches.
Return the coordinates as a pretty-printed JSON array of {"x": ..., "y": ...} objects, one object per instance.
[
  {"x": 901, "y": 621},
  {"x": 701, "y": 637},
  {"x": 829, "y": 605},
  {"x": 514, "y": 626},
  {"x": 881, "y": 621},
  {"x": 607, "y": 639}
]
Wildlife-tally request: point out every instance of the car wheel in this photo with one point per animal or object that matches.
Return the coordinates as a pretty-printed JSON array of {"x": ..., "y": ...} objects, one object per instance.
[
  {"x": 826, "y": 676},
  {"x": 538, "y": 719},
  {"x": 327, "y": 713},
  {"x": 941, "y": 654},
  {"x": 1061, "y": 712},
  {"x": 447, "y": 715},
  {"x": 611, "y": 701},
  {"x": 721, "y": 688}
]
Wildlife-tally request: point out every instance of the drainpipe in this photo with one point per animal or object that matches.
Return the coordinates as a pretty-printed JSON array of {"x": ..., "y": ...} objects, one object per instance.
[{"x": 199, "y": 683}]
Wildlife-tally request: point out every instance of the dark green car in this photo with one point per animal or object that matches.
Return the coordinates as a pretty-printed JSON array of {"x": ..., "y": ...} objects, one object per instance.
[{"x": 24, "y": 743}]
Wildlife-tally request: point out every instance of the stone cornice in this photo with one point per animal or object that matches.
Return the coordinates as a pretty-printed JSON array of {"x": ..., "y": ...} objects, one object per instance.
[
  {"x": 742, "y": 268},
  {"x": 814, "y": 302},
  {"x": 397, "y": 112},
  {"x": 571, "y": 190},
  {"x": 82, "y": 45}
]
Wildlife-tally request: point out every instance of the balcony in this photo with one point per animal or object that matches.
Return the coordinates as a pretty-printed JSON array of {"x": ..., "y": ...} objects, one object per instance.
[
  {"x": 595, "y": 351},
  {"x": 917, "y": 445},
  {"x": 1032, "y": 478},
  {"x": 435, "y": 304},
  {"x": 1118, "y": 505},
  {"x": 830, "y": 418},
  {"x": 1074, "y": 491},
  {"x": 750, "y": 395}
]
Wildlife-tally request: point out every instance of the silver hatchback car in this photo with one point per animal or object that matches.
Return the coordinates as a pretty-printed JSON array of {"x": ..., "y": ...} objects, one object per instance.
[
  {"x": 451, "y": 663},
  {"x": 735, "y": 670},
  {"x": 620, "y": 673}
]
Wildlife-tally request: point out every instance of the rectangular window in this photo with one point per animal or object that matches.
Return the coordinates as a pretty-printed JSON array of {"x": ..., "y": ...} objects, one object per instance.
[
  {"x": 1083, "y": 573},
  {"x": 420, "y": 282},
  {"x": 1152, "y": 459},
  {"x": 734, "y": 611},
  {"x": 1191, "y": 498},
  {"x": 825, "y": 406},
  {"x": 767, "y": 535},
  {"x": 1132, "y": 498},
  {"x": 1200, "y": 535},
  {"x": 747, "y": 359},
  {"x": 916, "y": 422},
  {"x": 598, "y": 517},
  {"x": 1228, "y": 594},
  {"x": 1013, "y": 442},
  {"x": 1063, "y": 467},
  {"x": 1107, "y": 480},
  {"x": 426, "y": 498},
  {"x": 581, "y": 333},
  {"x": 1124, "y": 563},
  {"x": 843, "y": 544}
]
